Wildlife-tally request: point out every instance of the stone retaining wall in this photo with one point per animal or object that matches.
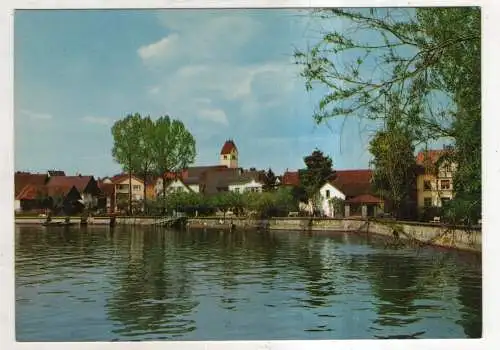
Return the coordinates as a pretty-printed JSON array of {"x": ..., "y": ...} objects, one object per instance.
[{"x": 435, "y": 234}]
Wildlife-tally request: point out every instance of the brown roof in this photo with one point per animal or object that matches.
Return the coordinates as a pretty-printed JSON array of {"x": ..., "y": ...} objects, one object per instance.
[
  {"x": 365, "y": 199},
  {"x": 290, "y": 178},
  {"x": 257, "y": 175},
  {"x": 430, "y": 155},
  {"x": 121, "y": 177},
  {"x": 30, "y": 192},
  {"x": 216, "y": 180},
  {"x": 353, "y": 182},
  {"x": 106, "y": 188},
  {"x": 21, "y": 179},
  {"x": 197, "y": 171},
  {"x": 63, "y": 184},
  {"x": 228, "y": 147}
]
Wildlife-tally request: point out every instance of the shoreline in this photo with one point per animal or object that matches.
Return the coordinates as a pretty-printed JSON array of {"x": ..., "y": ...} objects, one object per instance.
[{"x": 446, "y": 236}]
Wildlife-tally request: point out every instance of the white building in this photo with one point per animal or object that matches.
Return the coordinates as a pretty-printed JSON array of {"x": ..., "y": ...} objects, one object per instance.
[
  {"x": 245, "y": 185},
  {"x": 176, "y": 185},
  {"x": 326, "y": 194}
]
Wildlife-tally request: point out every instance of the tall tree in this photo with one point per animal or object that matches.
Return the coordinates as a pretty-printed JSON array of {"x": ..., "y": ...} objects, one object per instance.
[
  {"x": 174, "y": 147},
  {"x": 394, "y": 162},
  {"x": 145, "y": 155},
  {"x": 126, "y": 136},
  {"x": 269, "y": 180},
  {"x": 428, "y": 56},
  {"x": 318, "y": 171}
]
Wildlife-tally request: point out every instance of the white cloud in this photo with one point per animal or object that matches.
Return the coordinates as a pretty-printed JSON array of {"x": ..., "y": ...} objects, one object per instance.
[
  {"x": 36, "y": 115},
  {"x": 159, "y": 49},
  {"x": 214, "y": 115},
  {"x": 204, "y": 70},
  {"x": 97, "y": 120}
]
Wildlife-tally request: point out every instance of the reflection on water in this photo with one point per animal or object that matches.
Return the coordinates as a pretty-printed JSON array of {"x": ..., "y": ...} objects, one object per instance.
[{"x": 99, "y": 284}]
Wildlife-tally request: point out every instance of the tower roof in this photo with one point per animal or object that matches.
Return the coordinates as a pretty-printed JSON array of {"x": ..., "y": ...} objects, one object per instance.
[{"x": 228, "y": 147}]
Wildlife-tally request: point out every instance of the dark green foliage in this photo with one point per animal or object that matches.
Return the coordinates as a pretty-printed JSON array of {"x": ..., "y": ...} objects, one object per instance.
[
  {"x": 394, "y": 173},
  {"x": 264, "y": 204},
  {"x": 428, "y": 57},
  {"x": 269, "y": 181},
  {"x": 318, "y": 171}
]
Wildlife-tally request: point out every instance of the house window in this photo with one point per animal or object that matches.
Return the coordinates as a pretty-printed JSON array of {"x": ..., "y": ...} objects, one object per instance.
[
  {"x": 136, "y": 188},
  {"x": 225, "y": 157},
  {"x": 233, "y": 157},
  {"x": 327, "y": 194},
  {"x": 237, "y": 189},
  {"x": 427, "y": 202},
  {"x": 123, "y": 187},
  {"x": 427, "y": 185},
  {"x": 445, "y": 184}
]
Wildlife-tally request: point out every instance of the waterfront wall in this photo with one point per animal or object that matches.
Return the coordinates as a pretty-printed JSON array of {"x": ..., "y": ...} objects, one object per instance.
[{"x": 434, "y": 234}]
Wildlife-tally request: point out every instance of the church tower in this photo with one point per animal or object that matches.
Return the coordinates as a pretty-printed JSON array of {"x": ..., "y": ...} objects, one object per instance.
[{"x": 229, "y": 154}]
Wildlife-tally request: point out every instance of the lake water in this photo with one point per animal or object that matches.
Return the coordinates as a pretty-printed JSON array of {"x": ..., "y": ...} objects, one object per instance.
[{"x": 126, "y": 283}]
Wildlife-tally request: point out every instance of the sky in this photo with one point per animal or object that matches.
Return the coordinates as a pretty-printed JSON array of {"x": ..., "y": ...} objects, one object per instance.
[{"x": 227, "y": 74}]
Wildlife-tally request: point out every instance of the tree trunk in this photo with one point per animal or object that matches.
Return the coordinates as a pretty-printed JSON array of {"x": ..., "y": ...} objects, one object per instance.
[
  {"x": 129, "y": 193},
  {"x": 164, "y": 191},
  {"x": 144, "y": 198}
]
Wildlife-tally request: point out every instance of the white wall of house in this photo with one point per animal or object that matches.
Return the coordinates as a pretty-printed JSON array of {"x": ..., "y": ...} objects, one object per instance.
[
  {"x": 88, "y": 200},
  {"x": 17, "y": 205},
  {"x": 327, "y": 192},
  {"x": 177, "y": 186},
  {"x": 195, "y": 188},
  {"x": 159, "y": 186},
  {"x": 122, "y": 187},
  {"x": 173, "y": 185},
  {"x": 251, "y": 186}
]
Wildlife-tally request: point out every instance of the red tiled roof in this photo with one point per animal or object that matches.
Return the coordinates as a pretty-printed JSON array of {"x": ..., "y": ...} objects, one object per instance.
[
  {"x": 21, "y": 179},
  {"x": 290, "y": 178},
  {"x": 365, "y": 199},
  {"x": 430, "y": 155},
  {"x": 353, "y": 182},
  {"x": 108, "y": 189},
  {"x": 228, "y": 147},
  {"x": 80, "y": 182},
  {"x": 30, "y": 192},
  {"x": 121, "y": 177}
]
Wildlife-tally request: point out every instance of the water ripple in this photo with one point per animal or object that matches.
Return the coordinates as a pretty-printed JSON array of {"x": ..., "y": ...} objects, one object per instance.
[{"x": 150, "y": 284}]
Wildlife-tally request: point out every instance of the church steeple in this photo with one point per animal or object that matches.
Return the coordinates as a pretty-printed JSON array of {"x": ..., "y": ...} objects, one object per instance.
[{"x": 229, "y": 154}]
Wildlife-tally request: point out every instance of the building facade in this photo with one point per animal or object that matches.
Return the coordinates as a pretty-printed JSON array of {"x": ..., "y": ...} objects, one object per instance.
[
  {"x": 434, "y": 179},
  {"x": 229, "y": 154}
]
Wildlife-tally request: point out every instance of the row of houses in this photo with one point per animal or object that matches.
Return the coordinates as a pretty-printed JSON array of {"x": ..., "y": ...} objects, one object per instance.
[{"x": 111, "y": 194}]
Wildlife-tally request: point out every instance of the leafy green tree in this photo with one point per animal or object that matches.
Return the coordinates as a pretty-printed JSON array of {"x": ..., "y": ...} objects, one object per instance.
[
  {"x": 338, "y": 205},
  {"x": 126, "y": 135},
  {"x": 394, "y": 162},
  {"x": 299, "y": 194},
  {"x": 318, "y": 171},
  {"x": 285, "y": 201},
  {"x": 269, "y": 180},
  {"x": 145, "y": 157},
  {"x": 429, "y": 57},
  {"x": 173, "y": 148}
]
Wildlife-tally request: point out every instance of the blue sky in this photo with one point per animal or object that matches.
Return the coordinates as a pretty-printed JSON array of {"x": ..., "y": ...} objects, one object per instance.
[{"x": 224, "y": 73}]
